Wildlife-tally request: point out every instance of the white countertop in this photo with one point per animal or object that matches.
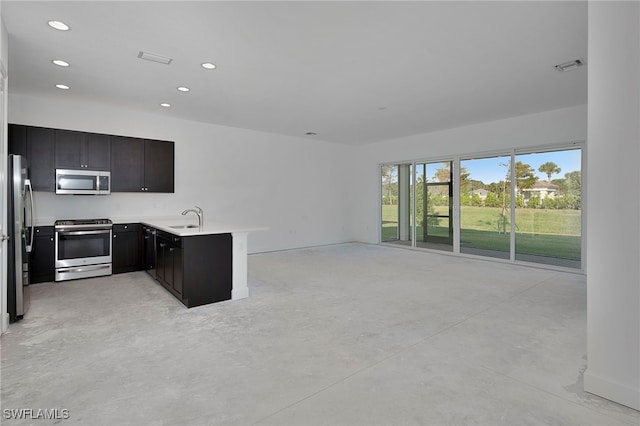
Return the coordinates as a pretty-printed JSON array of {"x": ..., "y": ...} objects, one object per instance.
[
  {"x": 164, "y": 223},
  {"x": 208, "y": 228}
]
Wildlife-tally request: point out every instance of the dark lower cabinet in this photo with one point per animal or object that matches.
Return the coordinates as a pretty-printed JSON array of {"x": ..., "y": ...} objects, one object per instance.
[
  {"x": 42, "y": 256},
  {"x": 169, "y": 262},
  {"x": 149, "y": 250},
  {"x": 126, "y": 248},
  {"x": 196, "y": 269}
]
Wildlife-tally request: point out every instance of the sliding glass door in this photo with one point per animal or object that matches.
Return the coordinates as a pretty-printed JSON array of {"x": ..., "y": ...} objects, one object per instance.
[
  {"x": 485, "y": 206},
  {"x": 548, "y": 208},
  {"x": 518, "y": 205}
]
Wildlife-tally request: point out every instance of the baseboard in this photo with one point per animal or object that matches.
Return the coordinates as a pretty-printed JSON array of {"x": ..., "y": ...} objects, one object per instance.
[
  {"x": 5, "y": 322},
  {"x": 612, "y": 390}
]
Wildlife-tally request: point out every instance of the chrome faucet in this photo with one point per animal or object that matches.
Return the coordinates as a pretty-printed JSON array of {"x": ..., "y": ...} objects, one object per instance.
[{"x": 197, "y": 211}]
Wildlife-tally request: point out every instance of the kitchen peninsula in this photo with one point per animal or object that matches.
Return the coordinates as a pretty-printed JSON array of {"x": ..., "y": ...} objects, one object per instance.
[{"x": 197, "y": 264}]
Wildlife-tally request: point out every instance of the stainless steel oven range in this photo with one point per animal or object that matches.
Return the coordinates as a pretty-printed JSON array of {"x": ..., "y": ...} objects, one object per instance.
[{"x": 82, "y": 248}]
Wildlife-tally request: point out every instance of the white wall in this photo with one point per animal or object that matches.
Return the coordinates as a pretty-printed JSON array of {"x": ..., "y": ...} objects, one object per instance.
[
  {"x": 4, "y": 65},
  {"x": 294, "y": 186},
  {"x": 613, "y": 252},
  {"x": 551, "y": 127}
]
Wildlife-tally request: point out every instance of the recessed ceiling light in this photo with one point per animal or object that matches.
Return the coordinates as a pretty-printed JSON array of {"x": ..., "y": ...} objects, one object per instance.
[
  {"x": 60, "y": 63},
  {"x": 208, "y": 66},
  {"x": 165, "y": 105},
  {"x": 58, "y": 25},
  {"x": 571, "y": 65},
  {"x": 62, "y": 86},
  {"x": 183, "y": 89}
]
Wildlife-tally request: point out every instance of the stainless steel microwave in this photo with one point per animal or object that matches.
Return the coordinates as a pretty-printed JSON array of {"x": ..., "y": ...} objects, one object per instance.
[{"x": 79, "y": 182}]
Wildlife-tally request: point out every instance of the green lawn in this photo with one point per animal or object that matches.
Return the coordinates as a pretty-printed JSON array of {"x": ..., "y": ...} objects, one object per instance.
[{"x": 552, "y": 233}]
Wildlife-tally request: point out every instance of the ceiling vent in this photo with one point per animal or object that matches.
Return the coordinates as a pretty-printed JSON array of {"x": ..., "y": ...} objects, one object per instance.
[
  {"x": 154, "y": 58},
  {"x": 568, "y": 66}
]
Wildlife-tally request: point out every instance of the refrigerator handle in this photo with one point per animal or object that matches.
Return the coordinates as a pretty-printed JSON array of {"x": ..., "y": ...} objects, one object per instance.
[{"x": 27, "y": 183}]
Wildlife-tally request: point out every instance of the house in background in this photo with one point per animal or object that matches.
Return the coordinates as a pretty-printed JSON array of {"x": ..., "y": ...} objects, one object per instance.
[
  {"x": 540, "y": 189},
  {"x": 480, "y": 192}
]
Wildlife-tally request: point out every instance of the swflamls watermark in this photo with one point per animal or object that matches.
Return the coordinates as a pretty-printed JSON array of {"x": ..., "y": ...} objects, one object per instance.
[{"x": 35, "y": 413}]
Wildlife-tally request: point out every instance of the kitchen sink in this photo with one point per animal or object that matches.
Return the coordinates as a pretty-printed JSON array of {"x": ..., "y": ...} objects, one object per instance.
[{"x": 183, "y": 226}]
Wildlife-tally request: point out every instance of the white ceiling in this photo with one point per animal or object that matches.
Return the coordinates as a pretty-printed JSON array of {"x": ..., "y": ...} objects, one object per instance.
[{"x": 352, "y": 72}]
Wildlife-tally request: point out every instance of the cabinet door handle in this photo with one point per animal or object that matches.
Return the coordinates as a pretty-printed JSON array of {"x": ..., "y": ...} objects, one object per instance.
[
  {"x": 114, "y": 236},
  {"x": 170, "y": 248}
]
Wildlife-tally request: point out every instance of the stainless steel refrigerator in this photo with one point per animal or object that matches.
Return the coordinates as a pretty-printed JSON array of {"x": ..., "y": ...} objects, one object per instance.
[{"x": 20, "y": 227}]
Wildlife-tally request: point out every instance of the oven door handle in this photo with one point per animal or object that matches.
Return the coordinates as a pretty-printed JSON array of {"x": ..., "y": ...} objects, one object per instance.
[{"x": 105, "y": 231}]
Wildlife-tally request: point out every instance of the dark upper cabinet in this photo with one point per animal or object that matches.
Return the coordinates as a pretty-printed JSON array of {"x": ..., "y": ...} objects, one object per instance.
[
  {"x": 37, "y": 145},
  {"x": 127, "y": 164},
  {"x": 141, "y": 165},
  {"x": 80, "y": 150},
  {"x": 18, "y": 139},
  {"x": 136, "y": 165},
  {"x": 158, "y": 166}
]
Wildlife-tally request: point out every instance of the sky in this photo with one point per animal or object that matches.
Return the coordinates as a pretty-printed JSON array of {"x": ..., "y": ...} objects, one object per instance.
[{"x": 489, "y": 170}]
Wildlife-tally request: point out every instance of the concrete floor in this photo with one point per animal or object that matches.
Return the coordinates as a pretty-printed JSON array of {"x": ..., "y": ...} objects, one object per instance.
[{"x": 347, "y": 334}]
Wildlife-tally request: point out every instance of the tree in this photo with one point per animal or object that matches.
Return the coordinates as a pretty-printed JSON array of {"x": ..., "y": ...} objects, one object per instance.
[
  {"x": 525, "y": 177},
  {"x": 443, "y": 174},
  {"x": 574, "y": 182},
  {"x": 549, "y": 168},
  {"x": 534, "y": 202},
  {"x": 425, "y": 219},
  {"x": 468, "y": 185},
  {"x": 464, "y": 178},
  {"x": 492, "y": 200},
  {"x": 495, "y": 187},
  {"x": 388, "y": 181}
]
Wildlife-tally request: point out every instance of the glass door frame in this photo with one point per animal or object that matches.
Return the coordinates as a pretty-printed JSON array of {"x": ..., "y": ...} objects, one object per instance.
[{"x": 435, "y": 239}]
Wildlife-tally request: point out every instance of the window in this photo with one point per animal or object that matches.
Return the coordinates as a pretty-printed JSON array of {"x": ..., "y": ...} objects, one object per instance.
[
  {"x": 485, "y": 206},
  {"x": 396, "y": 204},
  {"x": 519, "y": 206},
  {"x": 548, "y": 208}
]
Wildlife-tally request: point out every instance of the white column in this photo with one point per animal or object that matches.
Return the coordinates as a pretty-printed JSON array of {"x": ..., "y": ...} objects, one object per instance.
[
  {"x": 613, "y": 202},
  {"x": 240, "y": 290}
]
